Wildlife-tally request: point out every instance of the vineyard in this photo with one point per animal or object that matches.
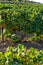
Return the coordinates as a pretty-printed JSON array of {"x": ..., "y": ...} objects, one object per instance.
[{"x": 21, "y": 23}]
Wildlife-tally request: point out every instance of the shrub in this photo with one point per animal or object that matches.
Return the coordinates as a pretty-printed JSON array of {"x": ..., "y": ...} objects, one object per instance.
[{"x": 21, "y": 56}]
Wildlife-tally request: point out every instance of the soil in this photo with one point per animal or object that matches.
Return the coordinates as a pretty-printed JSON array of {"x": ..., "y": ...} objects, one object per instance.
[{"x": 28, "y": 44}]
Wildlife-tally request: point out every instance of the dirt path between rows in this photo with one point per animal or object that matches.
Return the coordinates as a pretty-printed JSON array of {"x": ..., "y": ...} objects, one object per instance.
[{"x": 27, "y": 44}]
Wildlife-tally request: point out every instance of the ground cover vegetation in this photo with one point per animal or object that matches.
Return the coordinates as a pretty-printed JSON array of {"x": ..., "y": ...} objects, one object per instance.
[{"x": 21, "y": 56}]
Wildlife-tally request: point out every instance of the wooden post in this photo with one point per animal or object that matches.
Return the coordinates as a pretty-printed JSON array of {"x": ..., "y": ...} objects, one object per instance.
[
  {"x": 3, "y": 17},
  {"x": 2, "y": 33}
]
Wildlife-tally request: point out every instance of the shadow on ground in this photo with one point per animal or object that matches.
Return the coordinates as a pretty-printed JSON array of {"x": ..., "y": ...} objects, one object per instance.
[{"x": 27, "y": 44}]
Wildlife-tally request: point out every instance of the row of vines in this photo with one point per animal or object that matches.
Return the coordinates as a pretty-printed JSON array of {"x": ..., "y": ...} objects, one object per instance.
[
  {"x": 23, "y": 17},
  {"x": 21, "y": 56}
]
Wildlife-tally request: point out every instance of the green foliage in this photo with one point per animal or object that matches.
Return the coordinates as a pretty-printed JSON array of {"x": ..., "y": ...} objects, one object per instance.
[
  {"x": 23, "y": 17},
  {"x": 15, "y": 38},
  {"x": 21, "y": 56},
  {"x": 34, "y": 38}
]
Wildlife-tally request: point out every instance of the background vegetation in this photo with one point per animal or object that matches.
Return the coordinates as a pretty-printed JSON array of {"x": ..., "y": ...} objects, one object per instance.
[{"x": 27, "y": 18}]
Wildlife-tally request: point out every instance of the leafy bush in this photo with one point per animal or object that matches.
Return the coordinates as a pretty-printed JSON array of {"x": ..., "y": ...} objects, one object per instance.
[
  {"x": 23, "y": 17},
  {"x": 21, "y": 56}
]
